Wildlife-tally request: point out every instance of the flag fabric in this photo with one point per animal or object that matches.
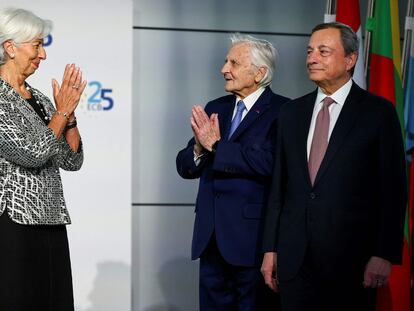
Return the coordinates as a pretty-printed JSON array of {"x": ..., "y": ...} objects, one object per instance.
[
  {"x": 409, "y": 117},
  {"x": 385, "y": 60},
  {"x": 347, "y": 12},
  {"x": 385, "y": 80}
]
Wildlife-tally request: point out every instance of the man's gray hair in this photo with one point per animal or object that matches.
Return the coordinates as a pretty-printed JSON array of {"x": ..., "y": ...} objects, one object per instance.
[
  {"x": 20, "y": 26},
  {"x": 263, "y": 54}
]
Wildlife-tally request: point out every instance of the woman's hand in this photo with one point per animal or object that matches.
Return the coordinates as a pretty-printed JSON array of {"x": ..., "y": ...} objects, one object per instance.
[
  {"x": 67, "y": 95},
  {"x": 67, "y": 98}
]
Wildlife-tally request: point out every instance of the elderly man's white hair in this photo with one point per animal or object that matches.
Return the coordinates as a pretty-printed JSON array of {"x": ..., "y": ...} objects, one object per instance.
[
  {"x": 263, "y": 53},
  {"x": 20, "y": 26}
]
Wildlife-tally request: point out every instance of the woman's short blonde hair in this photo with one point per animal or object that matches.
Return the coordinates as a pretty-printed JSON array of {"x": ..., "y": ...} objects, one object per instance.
[{"x": 20, "y": 26}]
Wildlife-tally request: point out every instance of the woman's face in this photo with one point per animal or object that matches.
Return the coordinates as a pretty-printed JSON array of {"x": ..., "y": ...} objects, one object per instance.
[{"x": 28, "y": 56}]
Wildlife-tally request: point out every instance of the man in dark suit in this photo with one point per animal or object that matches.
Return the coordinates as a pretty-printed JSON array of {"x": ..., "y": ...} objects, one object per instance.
[
  {"x": 232, "y": 154},
  {"x": 334, "y": 220}
]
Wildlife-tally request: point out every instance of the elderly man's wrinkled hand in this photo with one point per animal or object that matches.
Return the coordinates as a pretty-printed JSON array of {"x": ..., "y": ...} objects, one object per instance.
[{"x": 206, "y": 129}]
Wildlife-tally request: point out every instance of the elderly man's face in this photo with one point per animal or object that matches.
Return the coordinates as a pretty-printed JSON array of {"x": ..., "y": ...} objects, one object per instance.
[
  {"x": 327, "y": 64},
  {"x": 240, "y": 74}
]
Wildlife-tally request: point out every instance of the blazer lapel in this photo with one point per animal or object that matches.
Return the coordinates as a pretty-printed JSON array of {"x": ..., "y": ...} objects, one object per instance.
[
  {"x": 305, "y": 117},
  {"x": 28, "y": 112},
  {"x": 19, "y": 103},
  {"x": 260, "y": 106},
  {"x": 344, "y": 124},
  {"x": 225, "y": 115}
]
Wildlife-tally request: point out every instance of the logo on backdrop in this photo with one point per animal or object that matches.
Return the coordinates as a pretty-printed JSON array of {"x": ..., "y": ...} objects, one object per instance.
[
  {"x": 48, "y": 41},
  {"x": 97, "y": 98}
]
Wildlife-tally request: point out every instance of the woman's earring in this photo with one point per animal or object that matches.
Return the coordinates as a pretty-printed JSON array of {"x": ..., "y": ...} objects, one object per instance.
[{"x": 12, "y": 55}]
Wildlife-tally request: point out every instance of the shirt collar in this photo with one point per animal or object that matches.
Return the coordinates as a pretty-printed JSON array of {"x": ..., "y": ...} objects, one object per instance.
[
  {"x": 339, "y": 96},
  {"x": 250, "y": 100}
]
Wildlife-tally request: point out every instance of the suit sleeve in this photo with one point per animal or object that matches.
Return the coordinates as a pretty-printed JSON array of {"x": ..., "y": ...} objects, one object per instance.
[
  {"x": 68, "y": 159},
  {"x": 276, "y": 195},
  {"x": 245, "y": 160},
  {"x": 250, "y": 158},
  {"x": 185, "y": 164},
  {"x": 392, "y": 188}
]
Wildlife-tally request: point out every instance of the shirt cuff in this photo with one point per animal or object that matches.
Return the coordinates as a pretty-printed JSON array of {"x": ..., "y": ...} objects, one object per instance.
[{"x": 197, "y": 158}]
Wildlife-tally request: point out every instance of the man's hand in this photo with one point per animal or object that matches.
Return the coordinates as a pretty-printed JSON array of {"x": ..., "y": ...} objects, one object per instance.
[
  {"x": 269, "y": 271},
  {"x": 377, "y": 272},
  {"x": 206, "y": 130},
  {"x": 198, "y": 149}
]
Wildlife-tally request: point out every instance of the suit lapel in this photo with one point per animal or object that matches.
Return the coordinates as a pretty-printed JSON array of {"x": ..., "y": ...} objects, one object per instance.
[
  {"x": 344, "y": 124},
  {"x": 225, "y": 115},
  {"x": 259, "y": 107},
  {"x": 19, "y": 103},
  {"x": 305, "y": 117}
]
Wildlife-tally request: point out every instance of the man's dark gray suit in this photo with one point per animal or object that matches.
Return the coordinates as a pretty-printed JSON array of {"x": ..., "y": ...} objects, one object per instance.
[{"x": 355, "y": 209}]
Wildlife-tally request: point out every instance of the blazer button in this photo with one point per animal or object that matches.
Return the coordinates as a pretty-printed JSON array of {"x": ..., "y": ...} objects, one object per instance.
[
  {"x": 312, "y": 195},
  {"x": 217, "y": 195}
]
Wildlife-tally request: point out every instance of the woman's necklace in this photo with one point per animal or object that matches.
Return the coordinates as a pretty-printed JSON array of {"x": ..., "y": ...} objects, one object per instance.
[{"x": 39, "y": 105}]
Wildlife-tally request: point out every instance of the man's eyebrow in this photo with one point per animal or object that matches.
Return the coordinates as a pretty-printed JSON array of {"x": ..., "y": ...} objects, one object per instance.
[
  {"x": 324, "y": 46},
  {"x": 319, "y": 47}
]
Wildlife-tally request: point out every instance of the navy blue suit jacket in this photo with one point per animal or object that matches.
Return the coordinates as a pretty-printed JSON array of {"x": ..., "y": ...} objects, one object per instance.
[
  {"x": 234, "y": 181},
  {"x": 355, "y": 209}
]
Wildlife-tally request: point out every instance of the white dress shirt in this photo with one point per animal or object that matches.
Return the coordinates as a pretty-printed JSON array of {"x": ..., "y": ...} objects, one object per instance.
[
  {"x": 248, "y": 101},
  {"x": 334, "y": 110}
]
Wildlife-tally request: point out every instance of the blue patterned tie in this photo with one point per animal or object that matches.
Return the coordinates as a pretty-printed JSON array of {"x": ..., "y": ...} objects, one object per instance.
[{"x": 237, "y": 118}]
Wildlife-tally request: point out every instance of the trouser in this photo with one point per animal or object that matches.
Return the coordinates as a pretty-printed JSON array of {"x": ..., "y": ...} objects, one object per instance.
[{"x": 225, "y": 287}]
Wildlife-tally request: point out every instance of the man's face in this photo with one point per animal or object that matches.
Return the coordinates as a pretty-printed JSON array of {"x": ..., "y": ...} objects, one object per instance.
[
  {"x": 240, "y": 74},
  {"x": 326, "y": 62}
]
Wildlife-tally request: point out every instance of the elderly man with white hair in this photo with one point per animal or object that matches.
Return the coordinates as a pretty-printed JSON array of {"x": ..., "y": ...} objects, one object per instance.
[{"x": 232, "y": 153}]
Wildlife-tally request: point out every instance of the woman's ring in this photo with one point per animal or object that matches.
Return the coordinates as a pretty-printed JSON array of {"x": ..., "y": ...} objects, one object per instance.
[{"x": 75, "y": 86}]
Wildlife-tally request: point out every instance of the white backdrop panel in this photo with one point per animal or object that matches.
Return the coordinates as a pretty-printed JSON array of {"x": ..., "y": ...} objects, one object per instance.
[{"x": 97, "y": 36}]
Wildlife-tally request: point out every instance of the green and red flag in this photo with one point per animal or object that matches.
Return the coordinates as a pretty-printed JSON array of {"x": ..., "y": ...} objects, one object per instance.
[
  {"x": 385, "y": 80},
  {"x": 347, "y": 12}
]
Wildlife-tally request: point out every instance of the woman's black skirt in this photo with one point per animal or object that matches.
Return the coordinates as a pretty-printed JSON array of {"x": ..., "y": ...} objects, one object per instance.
[{"x": 35, "y": 271}]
